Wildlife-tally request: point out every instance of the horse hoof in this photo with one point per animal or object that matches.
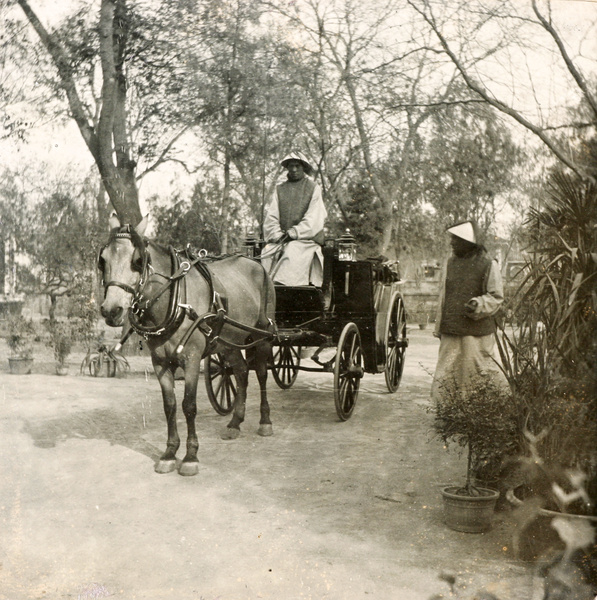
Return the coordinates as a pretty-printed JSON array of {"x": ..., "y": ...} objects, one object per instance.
[
  {"x": 265, "y": 430},
  {"x": 230, "y": 433},
  {"x": 165, "y": 466},
  {"x": 188, "y": 469}
]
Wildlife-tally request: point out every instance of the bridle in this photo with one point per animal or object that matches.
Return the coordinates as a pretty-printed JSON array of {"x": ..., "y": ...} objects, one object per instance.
[
  {"x": 141, "y": 305},
  {"x": 127, "y": 233}
]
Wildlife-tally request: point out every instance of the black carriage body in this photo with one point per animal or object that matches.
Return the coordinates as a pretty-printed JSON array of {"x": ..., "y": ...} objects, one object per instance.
[{"x": 354, "y": 292}]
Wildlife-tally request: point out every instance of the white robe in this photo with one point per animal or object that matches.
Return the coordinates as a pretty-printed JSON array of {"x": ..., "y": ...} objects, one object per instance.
[
  {"x": 463, "y": 358},
  {"x": 299, "y": 261}
]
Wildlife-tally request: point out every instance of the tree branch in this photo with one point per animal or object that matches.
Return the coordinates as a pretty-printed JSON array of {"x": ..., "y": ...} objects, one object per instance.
[
  {"x": 60, "y": 60},
  {"x": 501, "y": 106},
  {"x": 576, "y": 74},
  {"x": 162, "y": 157}
]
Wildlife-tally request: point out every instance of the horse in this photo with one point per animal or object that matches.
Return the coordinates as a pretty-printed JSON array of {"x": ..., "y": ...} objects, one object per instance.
[{"x": 187, "y": 307}]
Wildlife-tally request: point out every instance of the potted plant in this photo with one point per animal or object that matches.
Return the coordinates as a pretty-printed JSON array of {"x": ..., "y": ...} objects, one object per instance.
[
  {"x": 482, "y": 420},
  {"x": 21, "y": 334},
  {"x": 420, "y": 315},
  {"x": 61, "y": 340},
  {"x": 105, "y": 362}
]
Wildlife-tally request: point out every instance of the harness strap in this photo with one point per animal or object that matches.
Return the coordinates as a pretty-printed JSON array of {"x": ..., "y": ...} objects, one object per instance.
[
  {"x": 174, "y": 316},
  {"x": 184, "y": 267},
  {"x": 124, "y": 286},
  {"x": 127, "y": 334},
  {"x": 211, "y": 325}
]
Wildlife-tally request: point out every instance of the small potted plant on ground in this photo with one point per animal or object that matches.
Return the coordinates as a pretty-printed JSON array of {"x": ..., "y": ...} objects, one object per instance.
[
  {"x": 481, "y": 419},
  {"x": 61, "y": 340},
  {"x": 21, "y": 334},
  {"x": 105, "y": 362}
]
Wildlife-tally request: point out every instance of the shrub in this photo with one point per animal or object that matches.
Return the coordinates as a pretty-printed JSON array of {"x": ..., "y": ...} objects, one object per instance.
[
  {"x": 62, "y": 338},
  {"x": 482, "y": 419}
]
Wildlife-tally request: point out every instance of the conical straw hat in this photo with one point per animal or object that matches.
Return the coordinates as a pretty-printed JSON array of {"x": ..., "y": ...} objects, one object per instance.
[{"x": 465, "y": 231}]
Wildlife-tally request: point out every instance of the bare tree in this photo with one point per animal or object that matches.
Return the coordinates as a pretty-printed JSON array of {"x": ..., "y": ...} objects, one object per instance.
[
  {"x": 529, "y": 26},
  {"x": 346, "y": 36}
]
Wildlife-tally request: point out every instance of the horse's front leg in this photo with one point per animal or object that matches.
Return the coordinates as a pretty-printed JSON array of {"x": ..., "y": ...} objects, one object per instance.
[
  {"x": 262, "y": 354},
  {"x": 165, "y": 375},
  {"x": 241, "y": 374},
  {"x": 190, "y": 463}
]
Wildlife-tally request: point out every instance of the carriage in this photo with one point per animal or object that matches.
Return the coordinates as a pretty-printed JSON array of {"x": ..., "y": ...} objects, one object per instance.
[
  {"x": 188, "y": 306},
  {"x": 359, "y": 312}
]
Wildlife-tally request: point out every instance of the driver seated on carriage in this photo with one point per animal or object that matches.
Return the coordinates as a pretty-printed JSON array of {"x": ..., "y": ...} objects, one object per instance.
[{"x": 293, "y": 227}]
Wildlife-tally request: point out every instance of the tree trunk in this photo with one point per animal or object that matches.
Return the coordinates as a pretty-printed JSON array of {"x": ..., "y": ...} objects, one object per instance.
[
  {"x": 108, "y": 138},
  {"x": 52, "y": 310},
  {"x": 225, "y": 203},
  {"x": 386, "y": 203}
]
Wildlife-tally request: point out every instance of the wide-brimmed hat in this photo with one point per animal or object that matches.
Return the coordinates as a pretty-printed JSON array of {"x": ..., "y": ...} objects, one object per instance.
[
  {"x": 295, "y": 155},
  {"x": 467, "y": 230}
]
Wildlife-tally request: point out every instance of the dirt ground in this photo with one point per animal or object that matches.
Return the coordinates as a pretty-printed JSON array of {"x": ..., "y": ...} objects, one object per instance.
[{"x": 321, "y": 510}]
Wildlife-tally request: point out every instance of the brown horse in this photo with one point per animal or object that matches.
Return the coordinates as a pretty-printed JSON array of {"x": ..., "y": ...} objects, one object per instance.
[{"x": 187, "y": 307}]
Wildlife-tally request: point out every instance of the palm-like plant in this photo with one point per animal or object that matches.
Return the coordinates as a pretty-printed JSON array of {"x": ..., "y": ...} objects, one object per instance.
[
  {"x": 105, "y": 361},
  {"x": 550, "y": 359},
  {"x": 561, "y": 279}
]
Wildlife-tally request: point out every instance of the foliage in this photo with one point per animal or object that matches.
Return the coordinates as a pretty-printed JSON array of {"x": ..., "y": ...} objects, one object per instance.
[
  {"x": 364, "y": 217},
  {"x": 420, "y": 313},
  {"x": 61, "y": 248},
  {"x": 561, "y": 273},
  {"x": 104, "y": 359},
  {"x": 21, "y": 333},
  {"x": 62, "y": 339},
  {"x": 82, "y": 310},
  {"x": 481, "y": 418},
  {"x": 472, "y": 158},
  {"x": 550, "y": 356},
  {"x": 197, "y": 221},
  {"x": 16, "y": 218}
]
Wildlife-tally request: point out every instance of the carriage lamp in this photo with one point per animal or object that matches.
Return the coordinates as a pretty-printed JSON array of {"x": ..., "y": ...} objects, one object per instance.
[
  {"x": 250, "y": 245},
  {"x": 347, "y": 247}
]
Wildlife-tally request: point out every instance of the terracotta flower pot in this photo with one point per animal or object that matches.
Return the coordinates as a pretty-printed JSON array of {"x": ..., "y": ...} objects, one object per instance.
[
  {"x": 20, "y": 366},
  {"x": 471, "y": 514}
]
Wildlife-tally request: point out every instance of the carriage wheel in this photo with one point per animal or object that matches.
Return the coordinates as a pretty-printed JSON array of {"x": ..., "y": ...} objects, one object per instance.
[
  {"x": 285, "y": 368},
  {"x": 396, "y": 343},
  {"x": 348, "y": 371},
  {"x": 220, "y": 383}
]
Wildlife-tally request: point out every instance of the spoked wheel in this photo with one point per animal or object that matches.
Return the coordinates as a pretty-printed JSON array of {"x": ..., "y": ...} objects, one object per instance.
[
  {"x": 348, "y": 371},
  {"x": 285, "y": 368},
  {"x": 220, "y": 383},
  {"x": 396, "y": 343}
]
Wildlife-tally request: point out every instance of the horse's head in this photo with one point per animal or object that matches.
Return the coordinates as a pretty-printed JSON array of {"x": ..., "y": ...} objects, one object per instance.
[{"x": 121, "y": 262}]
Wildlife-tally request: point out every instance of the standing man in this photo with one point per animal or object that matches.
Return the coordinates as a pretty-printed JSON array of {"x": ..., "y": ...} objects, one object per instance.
[
  {"x": 293, "y": 227},
  {"x": 470, "y": 296}
]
